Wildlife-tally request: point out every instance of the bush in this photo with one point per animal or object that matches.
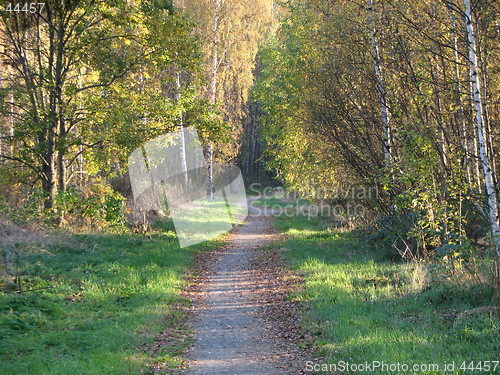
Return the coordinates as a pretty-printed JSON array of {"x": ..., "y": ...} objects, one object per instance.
[
  {"x": 393, "y": 233},
  {"x": 98, "y": 207}
]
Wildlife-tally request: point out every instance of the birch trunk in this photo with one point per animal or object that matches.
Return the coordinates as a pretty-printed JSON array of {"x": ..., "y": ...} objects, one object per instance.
[
  {"x": 61, "y": 163},
  {"x": 443, "y": 154},
  {"x": 7, "y": 131},
  {"x": 380, "y": 86},
  {"x": 3, "y": 119},
  {"x": 213, "y": 86},
  {"x": 435, "y": 74},
  {"x": 481, "y": 131},
  {"x": 475, "y": 143},
  {"x": 482, "y": 58},
  {"x": 182, "y": 140},
  {"x": 464, "y": 140}
]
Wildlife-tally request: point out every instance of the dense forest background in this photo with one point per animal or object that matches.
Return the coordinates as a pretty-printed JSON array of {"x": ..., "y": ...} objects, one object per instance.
[
  {"x": 330, "y": 98},
  {"x": 401, "y": 96},
  {"x": 86, "y": 82}
]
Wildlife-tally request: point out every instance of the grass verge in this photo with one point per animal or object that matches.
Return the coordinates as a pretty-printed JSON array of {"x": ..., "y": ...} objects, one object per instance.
[
  {"x": 91, "y": 304},
  {"x": 363, "y": 308}
]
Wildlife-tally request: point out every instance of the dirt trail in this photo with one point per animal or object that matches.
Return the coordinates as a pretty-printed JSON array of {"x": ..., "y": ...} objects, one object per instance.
[{"x": 232, "y": 330}]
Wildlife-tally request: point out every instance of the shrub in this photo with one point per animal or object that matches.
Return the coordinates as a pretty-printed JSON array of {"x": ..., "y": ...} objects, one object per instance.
[{"x": 97, "y": 207}]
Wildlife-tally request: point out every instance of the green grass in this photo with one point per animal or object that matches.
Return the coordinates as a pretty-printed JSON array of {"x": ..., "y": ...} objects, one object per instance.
[
  {"x": 269, "y": 202},
  {"x": 362, "y": 307},
  {"x": 101, "y": 298}
]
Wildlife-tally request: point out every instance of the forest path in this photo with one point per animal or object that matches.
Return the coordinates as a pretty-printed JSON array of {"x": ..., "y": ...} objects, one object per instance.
[{"x": 234, "y": 333}]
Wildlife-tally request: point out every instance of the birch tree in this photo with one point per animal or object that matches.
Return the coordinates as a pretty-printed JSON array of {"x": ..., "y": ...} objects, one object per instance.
[
  {"x": 384, "y": 110},
  {"x": 214, "y": 68},
  {"x": 70, "y": 66},
  {"x": 182, "y": 139},
  {"x": 482, "y": 135}
]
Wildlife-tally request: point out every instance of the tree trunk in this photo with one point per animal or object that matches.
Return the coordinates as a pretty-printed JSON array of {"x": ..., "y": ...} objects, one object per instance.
[
  {"x": 462, "y": 128},
  {"x": 213, "y": 87},
  {"x": 482, "y": 58},
  {"x": 49, "y": 179},
  {"x": 182, "y": 140},
  {"x": 61, "y": 165},
  {"x": 7, "y": 127},
  {"x": 475, "y": 144},
  {"x": 443, "y": 149},
  {"x": 384, "y": 110},
  {"x": 3, "y": 119},
  {"x": 481, "y": 131}
]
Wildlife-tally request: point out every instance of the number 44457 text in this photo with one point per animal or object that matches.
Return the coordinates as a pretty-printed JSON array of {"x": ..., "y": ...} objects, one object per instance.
[{"x": 26, "y": 7}]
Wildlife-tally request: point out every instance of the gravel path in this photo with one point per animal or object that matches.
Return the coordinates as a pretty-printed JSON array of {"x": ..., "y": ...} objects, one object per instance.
[{"x": 231, "y": 328}]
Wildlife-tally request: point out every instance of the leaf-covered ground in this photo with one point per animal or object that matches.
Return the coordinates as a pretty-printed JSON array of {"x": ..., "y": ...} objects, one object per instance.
[{"x": 243, "y": 321}]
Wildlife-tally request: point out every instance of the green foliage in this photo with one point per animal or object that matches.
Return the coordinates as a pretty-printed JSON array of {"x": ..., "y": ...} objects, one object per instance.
[
  {"x": 116, "y": 91},
  {"x": 297, "y": 90},
  {"x": 317, "y": 88},
  {"x": 98, "y": 207},
  {"x": 28, "y": 206},
  {"x": 392, "y": 232},
  {"x": 101, "y": 207}
]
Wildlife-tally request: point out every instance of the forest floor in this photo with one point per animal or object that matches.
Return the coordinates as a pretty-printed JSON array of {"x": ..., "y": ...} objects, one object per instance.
[
  {"x": 361, "y": 306},
  {"x": 287, "y": 289},
  {"x": 243, "y": 322},
  {"x": 259, "y": 300}
]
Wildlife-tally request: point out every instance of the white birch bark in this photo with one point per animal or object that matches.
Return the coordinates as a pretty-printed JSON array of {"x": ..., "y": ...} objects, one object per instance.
[
  {"x": 481, "y": 131},
  {"x": 213, "y": 86},
  {"x": 182, "y": 140},
  {"x": 380, "y": 86},
  {"x": 464, "y": 140},
  {"x": 475, "y": 143},
  {"x": 3, "y": 120},
  {"x": 272, "y": 14},
  {"x": 215, "y": 51}
]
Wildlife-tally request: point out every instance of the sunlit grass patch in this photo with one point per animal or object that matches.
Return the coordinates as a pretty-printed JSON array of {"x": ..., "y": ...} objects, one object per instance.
[{"x": 363, "y": 307}]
